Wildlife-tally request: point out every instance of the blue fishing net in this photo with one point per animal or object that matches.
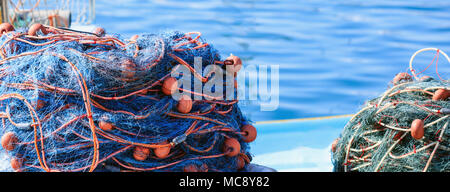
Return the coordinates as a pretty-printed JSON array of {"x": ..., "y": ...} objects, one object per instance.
[{"x": 57, "y": 88}]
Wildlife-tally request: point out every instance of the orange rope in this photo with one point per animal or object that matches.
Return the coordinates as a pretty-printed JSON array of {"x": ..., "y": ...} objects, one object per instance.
[
  {"x": 33, "y": 115},
  {"x": 87, "y": 102},
  {"x": 169, "y": 164}
]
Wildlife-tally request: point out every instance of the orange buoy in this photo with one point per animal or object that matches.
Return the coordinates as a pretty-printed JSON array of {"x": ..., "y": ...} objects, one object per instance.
[
  {"x": 104, "y": 124},
  {"x": 240, "y": 164},
  {"x": 16, "y": 163},
  {"x": 170, "y": 85},
  {"x": 128, "y": 69},
  {"x": 242, "y": 160},
  {"x": 32, "y": 31},
  {"x": 334, "y": 145},
  {"x": 6, "y": 27},
  {"x": 184, "y": 104},
  {"x": 249, "y": 133},
  {"x": 99, "y": 31},
  {"x": 417, "y": 130},
  {"x": 162, "y": 152},
  {"x": 401, "y": 77},
  {"x": 441, "y": 94},
  {"x": 40, "y": 103},
  {"x": 231, "y": 147},
  {"x": 233, "y": 63},
  {"x": 9, "y": 141},
  {"x": 141, "y": 153}
]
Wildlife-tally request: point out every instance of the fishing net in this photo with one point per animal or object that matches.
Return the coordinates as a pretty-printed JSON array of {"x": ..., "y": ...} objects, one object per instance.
[
  {"x": 79, "y": 101},
  {"x": 403, "y": 130}
]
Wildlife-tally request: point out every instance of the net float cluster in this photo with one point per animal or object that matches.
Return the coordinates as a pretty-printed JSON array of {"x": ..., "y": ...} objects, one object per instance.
[
  {"x": 86, "y": 101},
  {"x": 405, "y": 129}
]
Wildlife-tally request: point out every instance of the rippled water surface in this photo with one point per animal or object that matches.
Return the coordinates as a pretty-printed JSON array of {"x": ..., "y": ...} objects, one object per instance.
[{"x": 333, "y": 55}]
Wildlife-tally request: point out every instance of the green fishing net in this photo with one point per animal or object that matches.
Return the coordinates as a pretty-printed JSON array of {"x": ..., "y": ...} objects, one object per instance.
[{"x": 380, "y": 138}]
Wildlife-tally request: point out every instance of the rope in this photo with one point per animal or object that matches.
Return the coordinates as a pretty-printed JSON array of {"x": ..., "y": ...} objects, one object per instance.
[
  {"x": 80, "y": 102},
  {"x": 383, "y": 135}
]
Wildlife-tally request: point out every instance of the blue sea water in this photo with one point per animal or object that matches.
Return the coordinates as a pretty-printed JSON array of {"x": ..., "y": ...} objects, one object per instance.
[{"x": 333, "y": 55}]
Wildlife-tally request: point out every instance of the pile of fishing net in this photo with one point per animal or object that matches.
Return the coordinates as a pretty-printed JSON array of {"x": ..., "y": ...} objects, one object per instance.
[
  {"x": 405, "y": 129},
  {"x": 79, "y": 101}
]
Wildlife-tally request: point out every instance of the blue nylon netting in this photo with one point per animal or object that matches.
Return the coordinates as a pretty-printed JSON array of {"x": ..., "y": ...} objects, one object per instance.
[{"x": 44, "y": 83}]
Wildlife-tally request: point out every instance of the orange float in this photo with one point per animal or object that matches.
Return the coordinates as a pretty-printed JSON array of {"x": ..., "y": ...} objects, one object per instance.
[
  {"x": 334, "y": 145},
  {"x": 128, "y": 69},
  {"x": 40, "y": 103},
  {"x": 233, "y": 61},
  {"x": 441, "y": 94},
  {"x": 249, "y": 133},
  {"x": 231, "y": 147},
  {"x": 32, "y": 31},
  {"x": 6, "y": 27},
  {"x": 141, "y": 153},
  {"x": 162, "y": 152},
  {"x": 104, "y": 124},
  {"x": 240, "y": 164},
  {"x": 242, "y": 160},
  {"x": 170, "y": 85},
  {"x": 401, "y": 77},
  {"x": 9, "y": 141},
  {"x": 417, "y": 130},
  {"x": 16, "y": 163},
  {"x": 184, "y": 104},
  {"x": 99, "y": 31}
]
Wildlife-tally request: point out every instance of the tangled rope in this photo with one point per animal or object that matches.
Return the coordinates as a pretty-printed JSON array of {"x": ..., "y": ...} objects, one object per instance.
[
  {"x": 79, "y": 101},
  {"x": 405, "y": 129}
]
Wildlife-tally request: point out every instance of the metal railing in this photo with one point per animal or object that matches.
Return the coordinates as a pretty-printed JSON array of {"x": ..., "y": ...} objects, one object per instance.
[{"x": 58, "y": 13}]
